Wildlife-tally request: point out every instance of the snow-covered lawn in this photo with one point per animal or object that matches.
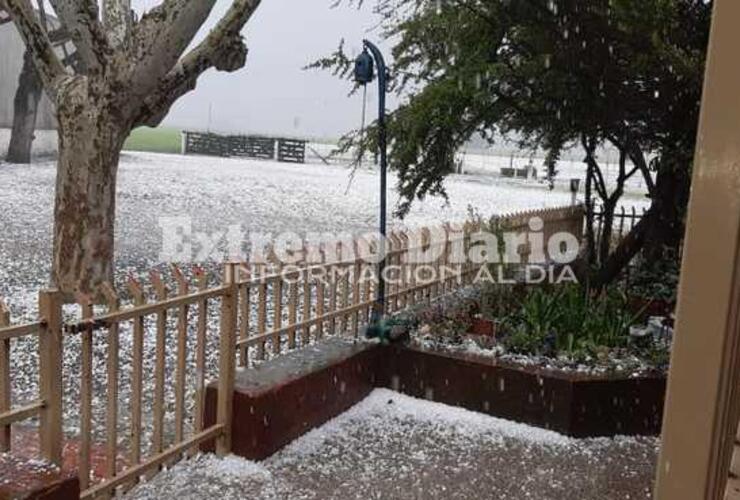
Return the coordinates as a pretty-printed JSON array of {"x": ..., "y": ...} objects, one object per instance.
[
  {"x": 391, "y": 446},
  {"x": 260, "y": 196}
]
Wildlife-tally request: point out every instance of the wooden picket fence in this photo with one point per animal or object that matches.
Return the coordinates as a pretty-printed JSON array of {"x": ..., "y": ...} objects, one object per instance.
[
  {"x": 265, "y": 309},
  {"x": 312, "y": 301}
]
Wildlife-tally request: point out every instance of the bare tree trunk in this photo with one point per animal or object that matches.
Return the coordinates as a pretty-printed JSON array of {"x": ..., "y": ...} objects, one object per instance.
[
  {"x": 26, "y": 105},
  {"x": 605, "y": 242},
  {"x": 90, "y": 141},
  {"x": 590, "y": 236},
  {"x": 671, "y": 200},
  {"x": 124, "y": 77}
]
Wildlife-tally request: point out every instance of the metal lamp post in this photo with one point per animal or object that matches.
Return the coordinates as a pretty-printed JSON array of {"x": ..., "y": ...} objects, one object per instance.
[{"x": 364, "y": 74}]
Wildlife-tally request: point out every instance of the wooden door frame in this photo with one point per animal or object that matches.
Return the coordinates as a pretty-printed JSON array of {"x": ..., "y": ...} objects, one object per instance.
[{"x": 701, "y": 412}]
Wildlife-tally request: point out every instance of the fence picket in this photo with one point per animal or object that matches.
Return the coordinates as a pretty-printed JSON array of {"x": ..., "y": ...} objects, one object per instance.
[
  {"x": 86, "y": 368},
  {"x": 183, "y": 289},
  {"x": 200, "y": 351},
  {"x": 292, "y": 311},
  {"x": 413, "y": 266},
  {"x": 356, "y": 299},
  {"x": 345, "y": 287},
  {"x": 245, "y": 304},
  {"x": 320, "y": 308},
  {"x": 5, "y": 395},
  {"x": 306, "y": 334},
  {"x": 159, "y": 366},
  {"x": 332, "y": 286},
  {"x": 137, "y": 293},
  {"x": 277, "y": 304},
  {"x": 111, "y": 448},
  {"x": 227, "y": 361},
  {"x": 261, "y": 316}
]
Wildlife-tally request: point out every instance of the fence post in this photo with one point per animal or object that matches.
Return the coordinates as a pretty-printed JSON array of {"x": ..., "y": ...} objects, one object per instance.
[
  {"x": 227, "y": 362},
  {"x": 50, "y": 375}
]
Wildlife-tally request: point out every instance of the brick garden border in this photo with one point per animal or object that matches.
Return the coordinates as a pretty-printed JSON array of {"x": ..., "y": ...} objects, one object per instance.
[{"x": 283, "y": 399}]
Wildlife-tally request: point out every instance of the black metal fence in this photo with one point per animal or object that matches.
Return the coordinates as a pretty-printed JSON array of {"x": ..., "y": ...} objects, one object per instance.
[
  {"x": 291, "y": 151},
  {"x": 265, "y": 148},
  {"x": 252, "y": 147},
  {"x": 624, "y": 221}
]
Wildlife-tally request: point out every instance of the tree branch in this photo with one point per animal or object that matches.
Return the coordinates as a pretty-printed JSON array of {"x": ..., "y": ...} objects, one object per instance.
[
  {"x": 117, "y": 20},
  {"x": 80, "y": 18},
  {"x": 162, "y": 36},
  {"x": 48, "y": 65},
  {"x": 590, "y": 146},
  {"x": 223, "y": 49},
  {"x": 638, "y": 158}
]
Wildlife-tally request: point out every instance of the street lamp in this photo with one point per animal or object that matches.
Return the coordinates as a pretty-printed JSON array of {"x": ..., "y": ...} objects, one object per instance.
[{"x": 364, "y": 73}]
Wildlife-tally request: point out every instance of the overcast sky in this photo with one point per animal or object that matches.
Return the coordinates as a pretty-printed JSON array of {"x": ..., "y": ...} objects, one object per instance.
[{"x": 273, "y": 94}]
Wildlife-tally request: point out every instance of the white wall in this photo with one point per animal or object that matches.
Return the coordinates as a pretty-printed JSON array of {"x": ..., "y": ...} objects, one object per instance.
[
  {"x": 11, "y": 63},
  {"x": 44, "y": 146}
]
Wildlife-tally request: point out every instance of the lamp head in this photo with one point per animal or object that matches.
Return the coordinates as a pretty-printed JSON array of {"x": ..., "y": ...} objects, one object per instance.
[{"x": 364, "y": 68}]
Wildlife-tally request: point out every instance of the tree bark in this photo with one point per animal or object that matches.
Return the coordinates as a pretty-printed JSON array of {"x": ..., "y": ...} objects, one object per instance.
[
  {"x": 671, "y": 200},
  {"x": 605, "y": 242},
  {"x": 91, "y": 135},
  {"x": 26, "y": 105}
]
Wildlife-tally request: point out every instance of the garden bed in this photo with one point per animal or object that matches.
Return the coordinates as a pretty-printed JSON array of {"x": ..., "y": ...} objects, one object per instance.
[
  {"x": 557, "y": 329},
  {"x": 572, "y": 403},
  {"x": 285, "y": 398}
]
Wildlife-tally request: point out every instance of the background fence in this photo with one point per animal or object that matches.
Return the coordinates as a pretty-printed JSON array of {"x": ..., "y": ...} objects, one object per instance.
[
  {"x": 265, "y": 148},
  {"x": 139, "y": 366}
]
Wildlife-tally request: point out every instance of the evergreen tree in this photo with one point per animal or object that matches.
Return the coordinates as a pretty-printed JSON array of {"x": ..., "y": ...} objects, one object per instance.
[{"x": 553, "y": 74}]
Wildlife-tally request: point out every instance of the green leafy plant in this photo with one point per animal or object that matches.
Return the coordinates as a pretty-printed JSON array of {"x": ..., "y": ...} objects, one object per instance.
[
  {"x": 656, "y": 280},
  {"x": 568, "y": 321}
]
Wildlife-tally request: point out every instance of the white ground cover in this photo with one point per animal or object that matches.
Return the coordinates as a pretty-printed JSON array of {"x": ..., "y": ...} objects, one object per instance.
[
  {"x": 259, "y": 196},
  {"x": 392, "y": 446}
]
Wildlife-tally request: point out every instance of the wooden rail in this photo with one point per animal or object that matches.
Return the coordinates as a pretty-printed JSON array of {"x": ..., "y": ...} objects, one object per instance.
[
  {"x": 153, "y": 463},
  {"x": 22, "y": 413},
  {"x": 48, "y": 406}
]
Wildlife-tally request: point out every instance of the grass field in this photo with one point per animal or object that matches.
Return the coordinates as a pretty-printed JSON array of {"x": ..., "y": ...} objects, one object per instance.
[{"x": 154, "y": 140}]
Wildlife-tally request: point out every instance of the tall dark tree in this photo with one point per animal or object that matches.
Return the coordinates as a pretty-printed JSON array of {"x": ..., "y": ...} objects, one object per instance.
[
  {"x": 554, "y": 74},
  {"x": 25, "y": 112},
  {"x": 30, "y": 91},
  {"x": 26, "y": 102}
]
